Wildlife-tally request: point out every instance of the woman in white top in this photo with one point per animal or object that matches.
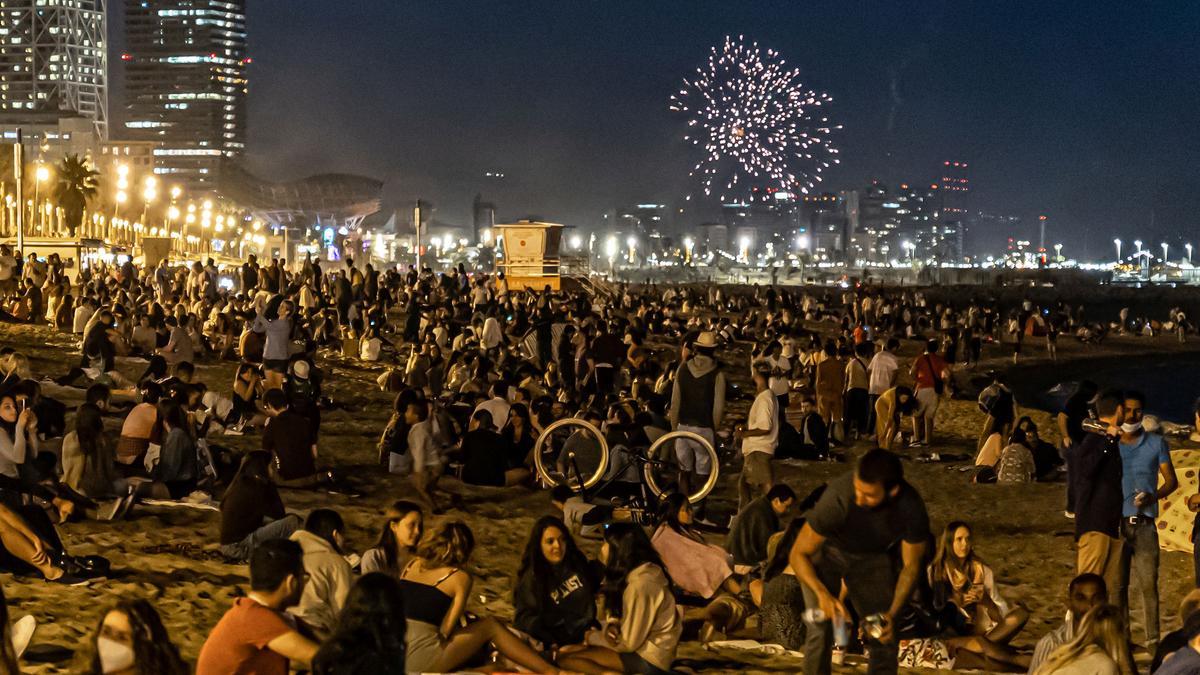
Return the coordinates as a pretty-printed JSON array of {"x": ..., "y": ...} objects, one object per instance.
[{"x": 18, "y": 435}]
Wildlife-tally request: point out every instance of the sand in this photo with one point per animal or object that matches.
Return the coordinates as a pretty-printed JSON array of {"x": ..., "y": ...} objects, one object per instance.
[{"x": 168, "y": 555}]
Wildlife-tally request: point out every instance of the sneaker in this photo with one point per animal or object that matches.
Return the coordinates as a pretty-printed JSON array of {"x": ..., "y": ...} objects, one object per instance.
[
  {"x": 705, "y": 522},
  {"x": 935, "y": 457},
  {"x": 917, "y": 444}
]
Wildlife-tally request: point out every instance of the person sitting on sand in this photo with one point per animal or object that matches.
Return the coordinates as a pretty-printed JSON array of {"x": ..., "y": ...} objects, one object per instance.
[
  {"x": 754, "y": 526},
  {"x": 643, "y": 627},
  {"x": 397, "y": 540},
  {"x": 329, "y": 574},
  {"x": 131, "y": 639},
  {"x": 435, "y": 592},
  {"x": 252, "y": 511},
  {"x": 964, "y": 590},
  {"x": 24, "y": 549},
  {"x": 555, "y": 595},
  {"x": 1189, "y": 620},
  {"x": 1084, "y": 593},
  {"x": 697, "y": 567},
  {"x": 779, "y": 595},
  {"x": 288, "y": 437},
  {"x": 256, "y": 635},
  {"x": 178, "y": 468},
  {"x": 87, "y": 458},
  {"x": 140, "y": 429},
  {"x": 370, "y": 632},
  {"x": 1097, "y": 648},
  {"x": 481, "y": 452}
]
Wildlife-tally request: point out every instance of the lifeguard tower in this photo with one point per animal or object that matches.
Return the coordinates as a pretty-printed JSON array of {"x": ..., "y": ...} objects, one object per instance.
[{"x": 530, "y": 254}]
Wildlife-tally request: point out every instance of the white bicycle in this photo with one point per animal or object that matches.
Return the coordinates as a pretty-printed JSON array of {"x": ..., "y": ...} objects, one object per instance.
[{"x": 576, "y": 453}]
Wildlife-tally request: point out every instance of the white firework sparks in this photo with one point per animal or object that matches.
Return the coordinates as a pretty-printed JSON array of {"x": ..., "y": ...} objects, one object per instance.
[{"x": 755, "y": 122}]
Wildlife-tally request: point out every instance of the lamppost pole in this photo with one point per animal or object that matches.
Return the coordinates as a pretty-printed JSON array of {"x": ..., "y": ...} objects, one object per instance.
[{"x": 19, "y": 175}]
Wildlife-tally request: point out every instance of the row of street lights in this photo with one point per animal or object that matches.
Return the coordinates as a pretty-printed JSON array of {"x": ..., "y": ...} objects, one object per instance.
[{"x": 1165, "y": 249}]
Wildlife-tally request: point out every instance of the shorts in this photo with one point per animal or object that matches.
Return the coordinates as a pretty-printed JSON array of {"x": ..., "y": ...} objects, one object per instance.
[
  {"x": 276, "y": 365},
  {"x": 756, "y": 469},
  {"x": 830, "y": 407},
  {"x": 692, "y": 456},
  {"x": 927, "y": 402}
]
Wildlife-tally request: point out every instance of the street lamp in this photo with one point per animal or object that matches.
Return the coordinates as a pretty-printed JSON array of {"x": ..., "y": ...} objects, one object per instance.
[
  {"x": 1118, "y": 244},
  {"x": 1165, "y": 246},
  {"x": 688, "y": 243},
  {"x": 1188, "y": 248},
  {"x": 1138, "y": 244},
  {"x": 1058, "y": 252}
]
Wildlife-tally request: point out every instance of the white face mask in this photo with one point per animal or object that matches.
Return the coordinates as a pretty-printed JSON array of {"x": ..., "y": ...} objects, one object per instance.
[
  {"x": 1131, "y": 427},
  {"x": 114, "y": 656}
]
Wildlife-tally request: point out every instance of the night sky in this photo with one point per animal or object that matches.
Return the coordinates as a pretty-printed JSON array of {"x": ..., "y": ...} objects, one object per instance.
[{"x": 1084, "y": 111}]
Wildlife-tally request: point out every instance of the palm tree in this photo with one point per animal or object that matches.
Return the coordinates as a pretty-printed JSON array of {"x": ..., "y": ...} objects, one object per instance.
[{"x": 77, "y": 183}]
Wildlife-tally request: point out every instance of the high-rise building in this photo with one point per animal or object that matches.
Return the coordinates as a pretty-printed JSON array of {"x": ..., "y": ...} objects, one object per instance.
[
  {"x": 185, "y": 84},
  {"x": 484, "y": 217},
  {"x": 53, "y": 62},
  {"x": 955, "y": 190}
]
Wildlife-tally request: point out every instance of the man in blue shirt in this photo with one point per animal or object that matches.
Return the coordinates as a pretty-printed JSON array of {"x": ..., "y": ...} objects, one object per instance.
[{"x": 1144, "y": 458}]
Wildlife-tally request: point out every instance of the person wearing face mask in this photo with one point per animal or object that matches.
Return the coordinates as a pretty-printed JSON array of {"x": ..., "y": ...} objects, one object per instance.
[
  {"x": 556, "y": 587},
  {"x": 848, "y": 539},
  {"x": 256, "y": 635},
  {"x": 329, "y": 574},
  {"x": 1144, "y": 459},
  {"x": 131, "y": 640},
  {"x": 397, "y": 541},
  {"x": 1095, "y": 477}
]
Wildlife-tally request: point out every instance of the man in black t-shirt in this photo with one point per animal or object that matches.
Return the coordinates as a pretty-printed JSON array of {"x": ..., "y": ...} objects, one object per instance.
[
  {"x": 288, "y": 437},
  {"x": 851, "y": 536},
  {"x": 1095, "y": 475}
]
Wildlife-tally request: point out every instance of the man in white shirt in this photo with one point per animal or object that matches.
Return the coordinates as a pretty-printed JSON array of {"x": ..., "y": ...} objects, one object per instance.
[
  {"x": 759, "y": 439},
  {"x": 883, "y": 369},
  {"x": 426, "y": 461},
  {"x": 497, "y": 405}
]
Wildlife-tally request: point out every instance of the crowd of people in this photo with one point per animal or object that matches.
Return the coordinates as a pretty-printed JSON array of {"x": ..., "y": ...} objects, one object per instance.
[{"x": 477, "y": 372}]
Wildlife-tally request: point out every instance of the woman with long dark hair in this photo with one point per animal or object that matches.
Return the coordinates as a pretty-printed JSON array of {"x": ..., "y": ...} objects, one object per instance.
[
  {"x": 88, "y": 457},
  {"x": 555, "y": 595},
  {"x": 965, "y": 592},
  {"x": 695, "y": 566},
  {"x": 779, "y": 594},
  {"x": 131, "y": 640},
  {"x": 369, "y": 637},
  {"x": 397, "y": 541},
  {"x": 644, "y": 626},
  {"x": 519, "y": 437}
]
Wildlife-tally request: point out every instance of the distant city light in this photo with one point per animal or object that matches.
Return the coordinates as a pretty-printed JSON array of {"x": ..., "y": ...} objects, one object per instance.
[{"x": 576, "y": 241}]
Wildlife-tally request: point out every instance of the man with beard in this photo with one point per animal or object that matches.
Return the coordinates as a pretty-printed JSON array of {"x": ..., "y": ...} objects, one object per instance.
[
  {"x": 849, "y": 538},
  {"x": 256, "y": 635}
]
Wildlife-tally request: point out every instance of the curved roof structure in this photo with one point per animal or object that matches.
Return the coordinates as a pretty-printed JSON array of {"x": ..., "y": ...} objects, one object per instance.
[{"x": 331, "y": 196}]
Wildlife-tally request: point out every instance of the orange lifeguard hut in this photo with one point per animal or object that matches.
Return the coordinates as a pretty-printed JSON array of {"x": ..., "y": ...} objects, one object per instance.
[{"x": 530, "y": 254}]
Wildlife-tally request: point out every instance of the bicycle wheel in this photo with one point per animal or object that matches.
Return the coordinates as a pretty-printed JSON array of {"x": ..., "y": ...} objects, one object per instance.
[
  {"x": 714, "y": 462},
  {"x": 550, "y": 478}
]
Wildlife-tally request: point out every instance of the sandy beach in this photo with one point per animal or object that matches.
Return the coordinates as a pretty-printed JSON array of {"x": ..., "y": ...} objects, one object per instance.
[{"x": 169, "y": 555}]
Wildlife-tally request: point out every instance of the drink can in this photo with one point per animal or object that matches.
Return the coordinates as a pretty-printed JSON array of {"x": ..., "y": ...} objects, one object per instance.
[
  {"x": 874, "y": 626},
  {"x": 841, "y": 633}
]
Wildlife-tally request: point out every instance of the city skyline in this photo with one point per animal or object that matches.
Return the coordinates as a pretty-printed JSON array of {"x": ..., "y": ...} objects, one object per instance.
[
  {"x": 1083, "y": 119},
  {"x": 570, "y": 103}
]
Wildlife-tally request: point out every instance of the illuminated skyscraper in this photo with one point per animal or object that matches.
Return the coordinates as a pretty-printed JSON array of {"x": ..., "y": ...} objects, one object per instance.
[
  {"x": 53, "y": 62},
  {"x": 185, "y": 82},
  {"x": 955, "y": 190}
]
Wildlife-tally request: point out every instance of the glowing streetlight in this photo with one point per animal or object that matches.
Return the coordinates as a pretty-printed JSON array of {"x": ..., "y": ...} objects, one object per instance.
[
  {"x": 1117, "y": 243},
  {"x": 610, "y": 247},
  {"x": 802, "y": 242},
  {"x": 122, "y": 197},
  {"x": 1138, "y": 244},
  {"x": 1188, "y": 248},
  {"x": 631, "y": 242},
  {"x": 175, "y": 192},
  {"x": 1165, "y": 247},
  {"x": 1058, "y": 252},
  {"x": 688, "y": 243},
  {"x": 575, "y": 242},
  {"x": 43, "y": 173}
]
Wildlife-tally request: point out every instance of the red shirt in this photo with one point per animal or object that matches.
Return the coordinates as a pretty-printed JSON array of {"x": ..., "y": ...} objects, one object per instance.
[
  {"x": 237, "y": 645},
  {"x": 925, "y": 366}
]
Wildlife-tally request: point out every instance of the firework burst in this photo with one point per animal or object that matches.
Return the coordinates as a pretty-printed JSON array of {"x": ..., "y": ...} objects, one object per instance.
[{"x": 755, "y": 123}]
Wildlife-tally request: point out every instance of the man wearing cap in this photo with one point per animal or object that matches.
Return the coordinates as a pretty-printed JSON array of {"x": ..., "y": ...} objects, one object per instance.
[{"x": 697, "y": 405}]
